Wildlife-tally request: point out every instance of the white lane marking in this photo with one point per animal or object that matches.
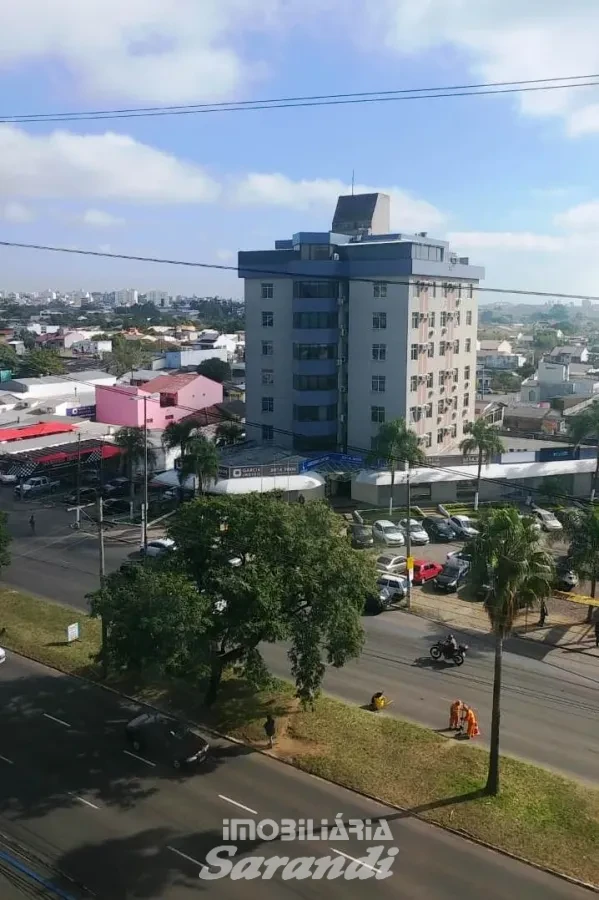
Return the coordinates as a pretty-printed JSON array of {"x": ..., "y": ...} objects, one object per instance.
[
  {"x": 7, "y": 760},
  {"x": 87, "y": 802},
  {"x": 353, "y": 858},
  {"x": 140, "y": 758},
  {"x": 240, "y": 805},
  {"x": 185, "y": 856},
  {"x": 54, "y": 719}
]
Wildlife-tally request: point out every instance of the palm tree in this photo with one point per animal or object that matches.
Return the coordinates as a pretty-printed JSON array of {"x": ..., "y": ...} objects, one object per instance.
[
  {"x": 516, "y": 571},
  {"x": 396, "y": 443},
  {"x": 178, "y": 434},
  {"x": 483, "y": 438},
  {"x": 201, "y": 460},
  {"x": 229, "y": 432},
  {"x": 586, "y": 425},
  {"x": 132, "y": 441},
  {"x": 581, "y": 526}
]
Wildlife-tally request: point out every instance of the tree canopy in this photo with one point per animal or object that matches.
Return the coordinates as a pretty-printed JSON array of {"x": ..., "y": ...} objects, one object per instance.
[
  {"x": 5, "y": 540},
  {"x": 215, "y": 369},
  {"x": 41, "y": 362},
  {"x": 247, "y": 571},
  {"x": 126, "y": 356}
]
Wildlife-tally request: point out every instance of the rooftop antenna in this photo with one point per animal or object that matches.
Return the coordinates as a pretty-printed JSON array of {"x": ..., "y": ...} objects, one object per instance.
[{"x": 352, "y": 181}]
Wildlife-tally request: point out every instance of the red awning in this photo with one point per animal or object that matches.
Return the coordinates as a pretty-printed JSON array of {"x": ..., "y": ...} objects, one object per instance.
[
  {"x": 62, "y": 457},
  {"x": 42, "y": 429}
]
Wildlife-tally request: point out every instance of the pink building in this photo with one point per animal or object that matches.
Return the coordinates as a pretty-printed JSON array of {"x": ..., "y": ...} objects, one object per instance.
[{"x": 168, "y": 399}]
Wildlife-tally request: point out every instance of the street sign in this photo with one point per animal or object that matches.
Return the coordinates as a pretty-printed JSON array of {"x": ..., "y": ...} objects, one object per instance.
[{"x": 73, "y": 632}]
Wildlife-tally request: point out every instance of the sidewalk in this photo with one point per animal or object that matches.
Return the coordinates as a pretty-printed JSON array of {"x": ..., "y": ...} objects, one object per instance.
[{"x": 559, "y": 630}]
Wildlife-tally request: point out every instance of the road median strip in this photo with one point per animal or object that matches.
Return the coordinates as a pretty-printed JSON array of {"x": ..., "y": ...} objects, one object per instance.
[{"x": 539, "y": 815}]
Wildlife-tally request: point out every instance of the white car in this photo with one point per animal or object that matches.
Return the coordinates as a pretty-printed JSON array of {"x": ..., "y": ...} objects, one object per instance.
[
  {"x": 464, "y": 526},
  {"x": 7, "y": 478},
  {"x": 547, "y": 520},
  {"x": 388, "y": 533},
  {"x": 391, "y": 564},
  {"x": 158, "y": 547},
  {"x": 417, "y": 533},
  {"x": 2, "y": 655}
]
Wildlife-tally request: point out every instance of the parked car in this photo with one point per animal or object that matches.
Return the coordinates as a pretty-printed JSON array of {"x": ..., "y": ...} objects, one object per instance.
[
  {"x": 463, "y": 526},
  {"x": 453, "y": 574},
  {"x": 377, "y": 602},
  {"x": 465, "y": 553},
  {"x": 417, "y": 533},
  {"x": 425, "y": 571},
  {"x": 86, "y": 495},
  {"x": 392, "y": 587},
  {"x": 115, "y": 506},
  {"x": 547, "y": 520},
  {"x": 395, "y": 565},
  {"x": 361, "y": 537},
  {"x": 158, "y": 547},
  {"x": 565, "y": 577},
  {"x": 159, "y": 736},
  {"x": 118, "y": 487},
  {"x": 388, "y": 533},
  {"x": 36, "y": 485},
  {"x": 8, "y": 478},
  {"x": 439, "y": 529}
]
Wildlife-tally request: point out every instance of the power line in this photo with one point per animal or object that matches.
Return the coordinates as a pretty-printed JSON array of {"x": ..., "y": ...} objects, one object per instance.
[
  {"x": 361, "y": 97},
  {"x": 281, "y": 274}
]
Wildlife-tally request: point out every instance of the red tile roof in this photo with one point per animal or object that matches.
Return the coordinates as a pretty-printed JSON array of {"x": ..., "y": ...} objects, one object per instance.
[{"x": 169, "y": 384}]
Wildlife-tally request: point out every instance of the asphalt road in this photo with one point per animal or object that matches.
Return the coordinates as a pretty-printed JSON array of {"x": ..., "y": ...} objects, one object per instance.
[
  {"x": 549, "y": 714},
  {"x": 128, "y": 827}
]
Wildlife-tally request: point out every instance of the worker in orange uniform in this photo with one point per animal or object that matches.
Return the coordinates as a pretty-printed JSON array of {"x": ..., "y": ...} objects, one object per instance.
[
  {"x": 454, "y": 715},
  {"x": 472, "y": 729}
]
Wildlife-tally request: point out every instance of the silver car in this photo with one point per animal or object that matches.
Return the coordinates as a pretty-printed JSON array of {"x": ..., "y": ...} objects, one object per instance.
[
  {"x": 388, "y": 533},
  {"x": 392, "y": 565},
  {"x": 417, "y": 533}
]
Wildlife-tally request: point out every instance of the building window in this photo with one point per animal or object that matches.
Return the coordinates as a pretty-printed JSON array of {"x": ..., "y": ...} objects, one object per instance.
[
  {"x": 431, "y": 350},
  {"x": 315, "y": 320},
  {"x": 379, "y": 320},
  {"x": 414, "y": 351},
  {"x": 469, "y": 317},
  {"x": 428, "y": 440},
  {"x": 456, "y": 375},
  {"x": 378, "y": 384},
  {"x": 315, "y": 290},
  {"x": 431, "y": 320},
  {"x": 379, "y": 290},
  {"x": 443, "y": 319},
  {"x": 314, "y": 351},
  {"x": 470, "y": 292},
  {"x": 267, "y": 348},
  {"x": 267, "y": 376},
  {"x": 415, "y": 319},
  {"x": 468, "y": 345},
  {"x": 415, "y": 414},
  {"x": 439, "y": 435},
  {"x": 429, "y": 410},
  {"x": 446, "y": 289},
  {"x": 315, "y": 413},
  {"x": 267, "y": 291},
  {"x": 414, "y": 383},
  {"x": 377, "y": 414},
  {"x": 429, "y": 380},
  {"x": 268, "y": 320},
  {"x": 456, "y": 346},
  {"x": 467, "y": 373},
  {"x": 268, "y": 404},
  {"x": 440, "y": 407},
  {"x": 441, "y": 348},
  {"x": 457, "y": 317},
  {"x": 454, "y": 431},
  {"x": 379, "y": 352},
  {"x": 466, "y": 399},
  {"x": 434, "y": 286},
  {"x": 441, "y": 378},
  {"x": 315, "y": 382},
  {"x": 268, "y": 433}
]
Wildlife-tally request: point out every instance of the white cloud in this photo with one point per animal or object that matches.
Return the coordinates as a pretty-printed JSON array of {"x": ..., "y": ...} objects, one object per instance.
[
  {"x": 512, "y": 241},
  {"x": 98, "y": 218},
  {"x": 504, "y": 40},
  {"x": 164, "y": 51},
  {"x": 225, "y": 256},
  {"x": 100, "y": 166},
  {"x": 583, "y": 217},
  {"x": 408, "y": 213},
  {"x": 17, "y": 212}
]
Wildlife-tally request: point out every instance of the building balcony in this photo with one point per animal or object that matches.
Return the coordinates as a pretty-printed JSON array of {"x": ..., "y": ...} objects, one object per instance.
[
  {"x": 315, "y": 429},
  {"x": 315, "y": 398}
]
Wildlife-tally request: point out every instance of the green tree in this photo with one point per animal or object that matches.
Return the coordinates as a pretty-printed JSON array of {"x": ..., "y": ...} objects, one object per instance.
[
  {"x": 8, "y": 357},
  {"x": 584, "y": 426},
  {"x": 581, "y": 527},
  {"x": 516, "y": 571},
  {"x": 178, "y": 434},
  {"x": 247, "y": 571},
  {"x": 526, "y": 370},
  {"x": 126, "y": 356},
  {"x": 544, "y": 342},
  {"x": 200, "y": 459},
  {"x": 482, "y": 439},
  {"x": 132, "y": 441},
  {"x": 5, "y": 539},
  {"x": 229, "y": 432},
  {"x": 41, "y": 362},
  {"x": 395, "y": 443},
  {"x": 505, "y": 382},
  {"x": 215, "y": 369}
]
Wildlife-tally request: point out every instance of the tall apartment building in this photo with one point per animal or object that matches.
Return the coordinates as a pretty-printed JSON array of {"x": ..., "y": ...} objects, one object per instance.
[
  {"x": 127, "y": 297},
  {"x": 159, "y": 298},
  {"x": 347, "y": 330}
]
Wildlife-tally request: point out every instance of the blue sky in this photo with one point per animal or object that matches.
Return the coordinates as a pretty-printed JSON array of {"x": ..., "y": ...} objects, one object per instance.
[{"x": 511, "y": 180}]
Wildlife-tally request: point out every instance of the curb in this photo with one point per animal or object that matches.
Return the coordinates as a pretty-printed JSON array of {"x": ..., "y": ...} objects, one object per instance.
[{"x": 457, "y": 832}]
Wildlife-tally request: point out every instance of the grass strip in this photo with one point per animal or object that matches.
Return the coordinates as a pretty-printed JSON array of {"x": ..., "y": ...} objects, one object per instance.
[{"x": 539, "y": 815}]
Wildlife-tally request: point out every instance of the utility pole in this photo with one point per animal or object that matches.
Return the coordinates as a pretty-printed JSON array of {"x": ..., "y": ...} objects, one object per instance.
[
  {"x": 102, "y": 559},
  {"x": 78, "y": 482},
  {"x": 144, "y": 515},
  {"x": 409, "y": 538}
]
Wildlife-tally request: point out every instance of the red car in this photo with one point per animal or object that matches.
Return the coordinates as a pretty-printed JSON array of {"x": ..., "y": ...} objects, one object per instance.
[{"x": 425, "y": 571}]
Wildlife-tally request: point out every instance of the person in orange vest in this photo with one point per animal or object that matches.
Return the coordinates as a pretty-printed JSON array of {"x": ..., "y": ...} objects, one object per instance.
[
  {"x": 454, "y": 715},
  {"x": 472, "y": 729}
]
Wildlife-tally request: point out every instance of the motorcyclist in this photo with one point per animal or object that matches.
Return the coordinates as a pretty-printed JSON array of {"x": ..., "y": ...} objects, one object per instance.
[
  {"x": 450, "y": 645},
  {"x": 378, "y": 701}
]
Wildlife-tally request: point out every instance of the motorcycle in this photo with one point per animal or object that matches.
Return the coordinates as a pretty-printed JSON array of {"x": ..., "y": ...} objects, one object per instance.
[{"x": 458, "y": 656}]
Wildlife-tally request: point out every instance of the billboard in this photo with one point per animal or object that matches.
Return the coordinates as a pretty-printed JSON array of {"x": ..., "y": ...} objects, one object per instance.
[{"x": 272, "y": 470}]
